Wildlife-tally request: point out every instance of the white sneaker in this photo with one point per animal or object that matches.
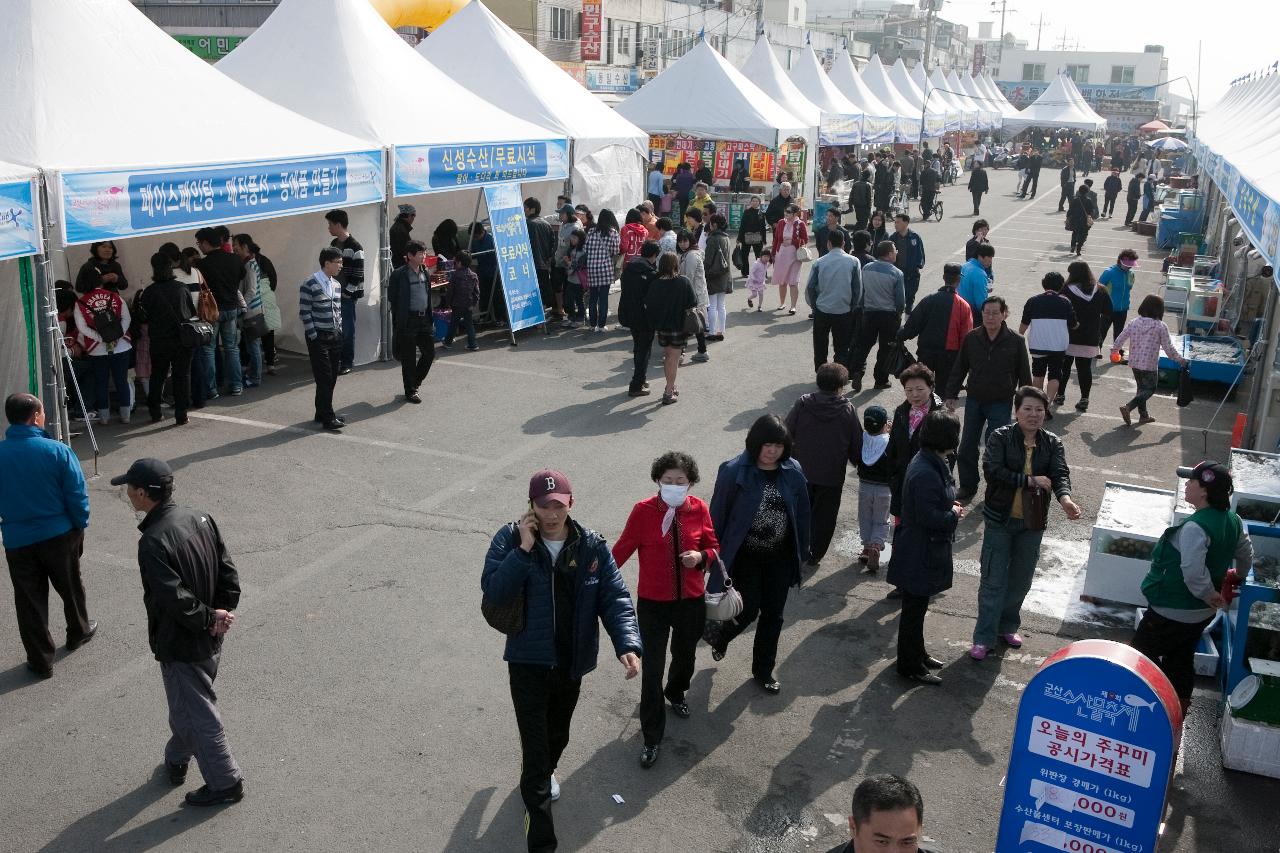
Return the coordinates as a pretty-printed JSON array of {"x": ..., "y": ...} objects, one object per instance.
[{"x": 555, "y": 788}]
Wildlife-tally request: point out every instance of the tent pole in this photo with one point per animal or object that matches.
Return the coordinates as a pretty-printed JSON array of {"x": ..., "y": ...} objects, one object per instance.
[
  {"x": 568, "y": 177},
  {"x": 49, "y": 335},
  {"x": 384, "y": 255}
]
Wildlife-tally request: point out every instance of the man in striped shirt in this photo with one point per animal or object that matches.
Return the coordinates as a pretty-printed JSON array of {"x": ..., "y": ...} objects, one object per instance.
[
  {"x": 352, "y": 280},
  {"x": 319, "y": 309}
]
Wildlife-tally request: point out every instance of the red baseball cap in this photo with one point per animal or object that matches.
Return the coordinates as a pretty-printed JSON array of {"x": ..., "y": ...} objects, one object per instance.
[{"x": 550, "y": 485}]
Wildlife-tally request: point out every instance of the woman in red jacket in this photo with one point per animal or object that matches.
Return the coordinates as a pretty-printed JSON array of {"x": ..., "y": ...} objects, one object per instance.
[
  {"x": 789, "y": 235},
  {"x": 672, "y": 531}
]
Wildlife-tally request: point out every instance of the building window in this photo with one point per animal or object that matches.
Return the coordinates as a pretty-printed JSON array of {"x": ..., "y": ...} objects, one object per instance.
[
  {"x": 1078, "y": 73},
  {"x": 1122, "y": 75},
  {"x": 1033, "y": 71},
  {"x": 676, "y": 47},
  {"x": 624, "y": 39},
  {"x": 795, "y": 14},
  {"x": 561, "y": 24}
]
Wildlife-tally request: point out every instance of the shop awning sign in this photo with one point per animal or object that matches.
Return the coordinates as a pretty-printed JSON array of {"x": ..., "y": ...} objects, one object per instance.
[
  {"x": 437, "y": 168},
  {"x": 19, "y": 225}
]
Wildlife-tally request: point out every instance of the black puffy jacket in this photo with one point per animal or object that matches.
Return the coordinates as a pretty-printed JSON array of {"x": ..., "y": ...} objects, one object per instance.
[{"x": 1004, "y": 460}]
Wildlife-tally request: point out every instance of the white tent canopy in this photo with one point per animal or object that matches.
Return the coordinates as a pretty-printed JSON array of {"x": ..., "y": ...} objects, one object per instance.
[
  {"x": 988, "y": 85},
  {"x": 990, "y": 115},
  {"x": 940, "y": 91},
  {"x": 488, "y": 57},
  {"x": 841, "y": 120},
  {"x": 1061, "y": 105},
  {"x": 728, "y": 106},
  {"x": 983, "y": 115},
  {"x": 918, "y": 76},
  {"x": 908, "y": 115},
  {"x": 939, "y": 118},
  {"x": 878, "y": 120},
  {"x": 763, "y": 68}
]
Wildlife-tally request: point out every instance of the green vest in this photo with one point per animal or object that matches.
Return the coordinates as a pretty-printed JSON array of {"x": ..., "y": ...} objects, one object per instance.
[{"x": 1164, "y": 586}]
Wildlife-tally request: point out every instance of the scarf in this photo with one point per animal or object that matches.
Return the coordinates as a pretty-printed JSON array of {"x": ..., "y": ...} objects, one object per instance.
[
  {"x": 874, "y": 446},
  {"x": 915, "y": 417}
]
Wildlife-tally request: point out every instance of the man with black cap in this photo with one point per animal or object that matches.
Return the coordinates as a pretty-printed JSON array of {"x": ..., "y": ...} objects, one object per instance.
[
  {"x": 190, "y": 588},
  {"x": 399, "y": 234},
  {"x": 1188, "y": 565},
  {"x": 567, "y": 580}
]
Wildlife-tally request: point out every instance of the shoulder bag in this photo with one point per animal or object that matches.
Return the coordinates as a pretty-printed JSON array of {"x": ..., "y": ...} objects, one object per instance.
[
  {"x": 1035, "y": 508},
  {"x": 506, "y": 618},
  {"x": 193, "y": 332},
  {"x": 723, "y": 606},
  {"x": 206, "y": 306},
  {"x": 695, "y": 322},
  {"x": 804, "y": 254}
]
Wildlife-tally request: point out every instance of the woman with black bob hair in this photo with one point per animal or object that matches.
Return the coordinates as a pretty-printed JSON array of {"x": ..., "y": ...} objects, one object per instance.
[
  {"x": 676, "y": 542},
  {"x": 101, "y": 270},
  {"x": 760, "y": 509},
  {"x": 921, "y": 565}
]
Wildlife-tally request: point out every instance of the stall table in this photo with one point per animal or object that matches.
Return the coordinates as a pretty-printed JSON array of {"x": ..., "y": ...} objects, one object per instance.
[{"x": 1130, "y": 521}]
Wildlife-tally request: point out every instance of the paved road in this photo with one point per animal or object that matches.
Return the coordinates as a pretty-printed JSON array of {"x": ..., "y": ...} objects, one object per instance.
[{"x": 365, "y": 697}]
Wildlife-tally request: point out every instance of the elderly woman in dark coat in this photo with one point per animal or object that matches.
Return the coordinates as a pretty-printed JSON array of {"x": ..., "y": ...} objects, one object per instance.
[{"x": 921, "y": 565}]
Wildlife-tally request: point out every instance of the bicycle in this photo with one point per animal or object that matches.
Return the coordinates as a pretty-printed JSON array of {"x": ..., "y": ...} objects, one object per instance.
[
  {"x": 935, "y": 213},
  {"x": 897, "y": 202}
]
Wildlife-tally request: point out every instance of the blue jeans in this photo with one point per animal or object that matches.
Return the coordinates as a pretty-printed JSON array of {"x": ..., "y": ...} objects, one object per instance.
[
  {"x": 597, "y": 306},
  {"x": 228, "y": 341},
  {"x": 254, "y": 348},
  {"x": 201, "y": 376},
  {"x": 114, "y": 367},
  {"x": 348, "y": 332},
  {"x": 980, "y": 420},
  {"x": 1009, "y": 555},
  {"x": 574, "y": 306}
]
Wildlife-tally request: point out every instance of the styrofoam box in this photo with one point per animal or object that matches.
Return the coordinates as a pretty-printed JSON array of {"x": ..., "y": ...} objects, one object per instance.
[
  {"x": 1251, "y": 747},
  {"x": 1132, "y": 512}
]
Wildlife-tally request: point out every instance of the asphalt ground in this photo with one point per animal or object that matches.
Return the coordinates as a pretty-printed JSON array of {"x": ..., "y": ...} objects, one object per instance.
[{"x": 366, "y": 699}]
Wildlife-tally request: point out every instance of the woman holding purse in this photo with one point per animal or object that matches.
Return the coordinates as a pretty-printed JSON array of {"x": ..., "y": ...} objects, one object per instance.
[
  {"x": 751, "y": 233},
  {"x": 1022, "y": 464},
  {"x": 668, "y": 304},
  {"x": 789, "y": 236},
  {"x": 676, "y": 542}
]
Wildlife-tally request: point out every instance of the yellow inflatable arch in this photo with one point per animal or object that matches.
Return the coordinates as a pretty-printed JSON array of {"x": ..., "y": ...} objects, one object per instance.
[{"x": 427, "y": 14}]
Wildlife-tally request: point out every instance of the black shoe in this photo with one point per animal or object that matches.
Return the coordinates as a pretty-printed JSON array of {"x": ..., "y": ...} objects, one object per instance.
[
  {"x": 180, "y": 419},
  {"x": 333, "y": 425},
  {"x": 1048, "y": 415},
  {"x": 412, "y": 397},
  {"x": 157, "y": 417},
  {"x": 1060, "y": 400},
  {"x": 72, "y": 645},
  {"x": 40, "y": 672},
  {"x": 880, "y": 386},
  {"x": 919, "y": 678},
  {"x": 203, "y": 796},
  {"x": 1083, "y": 405},
  {"x": 638, "y": 392},
  {"x": 855, "y": 385},
  {"x": 770, "y": 686},
  {"x": 177, "y": 773},
  {"x": 965, "y": 495},
  {"x": 341, "y": 420},
  {"x": 680, "y": 709},
  {"x": 894, "y": 594},
  {"x": 930, "y": 662},
  {"x": 343, "y": 371},
  {"x": 649, "y": 757}
]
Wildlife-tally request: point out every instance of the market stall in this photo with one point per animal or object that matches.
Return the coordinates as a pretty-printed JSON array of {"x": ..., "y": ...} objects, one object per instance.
[
  {"x": 1129, "y": 523},
  {"x": 1060, "y": 105}
]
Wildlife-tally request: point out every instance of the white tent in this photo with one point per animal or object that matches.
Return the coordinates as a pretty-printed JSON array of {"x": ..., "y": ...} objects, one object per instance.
[
  {"x": 19, "y": 239},
  {"x": 939, "y": 116},
  {"x": 939, "y": 90},
  {"x": 988, "y": 85},
  {"x": 1061, "y": 105},
  {"x": 727, "y": 105},
  {"x": 918, "y": 76},
  {"x": 908, "y": 115},
  {"x": 990, "y": 115},
  {"x": 841, "y": 120},
  {"x": 985, "y": 117},
  {"x": 878, "y": 120},
  {"x": 763, "y": 68},
  {"x": 485, "y": 55}
]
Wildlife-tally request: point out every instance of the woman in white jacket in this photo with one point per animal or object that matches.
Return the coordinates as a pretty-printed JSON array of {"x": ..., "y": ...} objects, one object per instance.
[{"x": 692, "y": 269}]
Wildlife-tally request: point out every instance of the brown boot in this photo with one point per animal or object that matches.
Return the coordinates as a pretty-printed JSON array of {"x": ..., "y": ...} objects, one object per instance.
[{"x": 873, "y": 560}]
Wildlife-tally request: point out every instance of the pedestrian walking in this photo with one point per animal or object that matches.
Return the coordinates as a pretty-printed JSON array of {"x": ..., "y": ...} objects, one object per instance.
[
  {"x": 1092, "y": 309},
  {"x": 668, "y": 302},
  {"x": 1111, "y": 188},
  {"x": 321, "y": 316},
  {"x": 1079, "y": 220},
  {"x": 884, "y": 183},
  {"x": 940, "y": 322},
  {"x": 930, "y": 182},
  {"x": 719, "y": 269},
  {"x": 1188, "y": 567},
  {"x": 883, "y": 298},
  {"x": 760, "y": 509},
  {"x": 1047, "y": 321},
  {"x": 1031, "y": 183},
  {"x": 918, "y": 383},
  {"x": 758, "y": 280},
  {"x": 921, "y": 565},
  {"x": 1067, "y": 180},
  {"x": 1022, "y": 464},
  {"x": 909, "y": 257},
  {"x": 981, "y": 228},
  {"x": 656, "y": 184},
  {"x": 1132, "y": 196},
  {"x": 833, "y": 291},
  {"x": 190, "y": 590},
  {"x": 860, "y": 198},
  {"x": 978, "y": 185},
  {"x": 1117, "y": 281},
  {"x": 830, "y": 225},
  {"x": 637, "y": 278},
  {"x": 975, "y": 279},
  {"x": 1147, "y": 335},
  {"x": 753, "y": 234},
  {"x": 413, "y": 334},
  {"x": 603, "y": 245},
  {"x": 676, "y": 545},
  {"x": 224, "y": 274},
  {"x": 44, "y": 510},
  {"x": 877, "y": 229},
  {"x": 789, "y": 236},
  {"x": 401, "y": 233},
  {"x": 103, "y": 323},
  {"x": 992, "y": 365},
  {"x": 874, "y": 491},
  {"x": 825, "y": 437},
  {"x": 694, "y": 268},
  {"x": 564, "y": 576},
  {"x": 168, "y": 305}
]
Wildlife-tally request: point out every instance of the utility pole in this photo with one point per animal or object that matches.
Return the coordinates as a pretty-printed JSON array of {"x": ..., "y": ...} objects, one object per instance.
[
  {"x": 929, "y": 6},
  {"x": 759, "y": 18},
  {"x": 1039, "y": 29}
]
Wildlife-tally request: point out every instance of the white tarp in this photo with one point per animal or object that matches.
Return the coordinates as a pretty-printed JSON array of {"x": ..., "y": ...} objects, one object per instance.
[
  {"x": 985, "y": 116},
  {"x": 908, "y": 114},
  {"x": 763, "y": 68},
  {"x": 939, "y": 91},
  {"x": 489, "y": 58},
  {"x": 988, "y": 85},
  {"x": 841, "y": 120},
  {"x": 1061, "y": 105},
  {"x": 702, "y": 95},
  {"x": 990, "y": 115},
  {"x": 939, "y": 117},
  {"x": 918, "y": 76},
  {"x": 878, "y": 120}
]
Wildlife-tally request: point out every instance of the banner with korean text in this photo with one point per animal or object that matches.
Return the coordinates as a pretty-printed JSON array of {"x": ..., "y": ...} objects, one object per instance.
[
  {"x": 114, "y": 204},
  {"x": 19, "y": 225},
  {"x": 515, "y": 258},
  {"x": 437, "y": 168}
]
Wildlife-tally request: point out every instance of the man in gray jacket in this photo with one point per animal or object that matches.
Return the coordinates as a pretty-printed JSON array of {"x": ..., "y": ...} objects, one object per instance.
[
  {"x": 884, "y": 296},
  {"x": 834, "y": 289}
]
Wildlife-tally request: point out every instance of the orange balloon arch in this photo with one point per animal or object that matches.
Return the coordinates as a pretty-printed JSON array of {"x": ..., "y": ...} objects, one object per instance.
[{"x": 427, "y": 14}]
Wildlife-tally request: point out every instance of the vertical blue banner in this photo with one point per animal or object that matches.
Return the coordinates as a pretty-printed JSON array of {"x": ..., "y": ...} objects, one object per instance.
[
  {"x": 515, "y": 259},
  {"x": 19, "y": 231}
]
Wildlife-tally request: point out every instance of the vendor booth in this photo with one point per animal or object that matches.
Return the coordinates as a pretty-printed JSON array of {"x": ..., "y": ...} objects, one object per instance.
[
  {"x": 878, "y": 120},
  {"x": 908, "y": 125},
  {"x": 19, "y": 241},
  {"x": 1060, "y": 105},
  {"x": 504, "y": 70},
  {"x": 375, "y": 75},
  {"x": 219, "y": 154}
]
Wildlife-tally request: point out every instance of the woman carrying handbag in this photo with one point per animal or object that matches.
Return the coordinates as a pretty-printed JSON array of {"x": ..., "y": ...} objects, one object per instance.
[
  {"x": 676, "y": 542},
  {"x": 670, "y": 305}
]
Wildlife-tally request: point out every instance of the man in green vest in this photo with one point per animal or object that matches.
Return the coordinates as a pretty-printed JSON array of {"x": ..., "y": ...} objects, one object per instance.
[{"x": 1187, "y": 569}]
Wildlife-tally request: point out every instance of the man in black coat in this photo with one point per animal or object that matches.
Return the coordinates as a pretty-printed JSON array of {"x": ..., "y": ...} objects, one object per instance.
[
  {"x": 409, "y": 295},
  {"x": 884, "y": 183},
  {"x": 542, "y": 244},
  {"x": 929, "y": 180},
  {"x": 860, "y": 202},
  {"x": 1111, "y": 188},
  {"x": 1133, "y": 196},
  {"x": 399, "y": 233},
  {"x": 167, "y": 305},
  {"x": 637, "y": 276},
  {"x": 1032, "y": 181},
  {"x": 1067, "y": 180}
]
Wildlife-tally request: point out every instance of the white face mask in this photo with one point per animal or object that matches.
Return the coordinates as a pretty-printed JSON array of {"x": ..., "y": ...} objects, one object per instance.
[{"x": 673, "y": 495}]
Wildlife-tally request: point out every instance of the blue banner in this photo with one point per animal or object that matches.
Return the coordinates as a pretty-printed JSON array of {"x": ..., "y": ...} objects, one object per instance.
[
  {"x": 109, "y": 205},
  {"x": 19, "y": 228},
  {"x": 515, "y": 259},
  {"x": 436, "y": 168}
]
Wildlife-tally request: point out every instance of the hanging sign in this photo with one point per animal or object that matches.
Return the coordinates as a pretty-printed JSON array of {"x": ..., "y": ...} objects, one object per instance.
[
  {"x": 435, "y": 168},
  {"x": 515, "y": 259},
  {"x": 591, "y": 30},
  {"x": 1097, "y": 731},
  {"x": 111, "y": 205},
  {"x": 19, "y": 225},
  {"x": 840, "y": 130}
]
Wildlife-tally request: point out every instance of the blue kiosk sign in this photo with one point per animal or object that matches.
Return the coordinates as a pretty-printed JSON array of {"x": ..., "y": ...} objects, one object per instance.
[{"x": 1097, "y": 731}]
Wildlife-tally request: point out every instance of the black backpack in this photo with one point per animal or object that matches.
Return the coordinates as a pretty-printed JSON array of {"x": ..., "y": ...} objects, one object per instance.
[{"x": 106, "y": 322}]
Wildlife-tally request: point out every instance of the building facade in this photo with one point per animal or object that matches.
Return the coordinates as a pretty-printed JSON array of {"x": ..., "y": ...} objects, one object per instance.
[{"x": 895, "y": 31}]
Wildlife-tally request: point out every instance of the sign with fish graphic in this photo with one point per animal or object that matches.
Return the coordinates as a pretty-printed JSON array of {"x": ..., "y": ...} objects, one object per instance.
[{"x": 1097, "y": 731}]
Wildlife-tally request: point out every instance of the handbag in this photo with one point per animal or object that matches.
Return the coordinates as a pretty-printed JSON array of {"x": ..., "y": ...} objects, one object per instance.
[
  {"x": 254, "y": 326},
  {"x": 506, "y": 618},
  {"x": 195, "y": 333},
  {"x": 900, "y": 359},
  {"x": 738, "y": 255},
  {"x": 1035, "y": 508},
  {"x": 206, "y": 306},
  {"x": 695, "y": 322},
  {"x": 1185, "y": 396},
  {"x": 723, "y": 606},
  {"x": 804, "y": 254}
]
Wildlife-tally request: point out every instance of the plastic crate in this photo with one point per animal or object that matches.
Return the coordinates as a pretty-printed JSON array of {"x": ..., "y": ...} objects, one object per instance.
[{"x": 1206, "y": 371}]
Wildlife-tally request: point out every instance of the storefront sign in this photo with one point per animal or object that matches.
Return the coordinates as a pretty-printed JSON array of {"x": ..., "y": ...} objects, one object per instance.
[
  {"x": 877, "y": 131},
  {"x": 19, "y": 226},
  {"x": 591, "y": 30},
  {"x": 840, "y": 130},
  {"x": 609, "y": 78},
  {"x": 1023, "y": 92},
  {"x": 671, "y": 151},
  {"x": 209, "y": 48},
  {"x": 576, "y": 70},
  {"x": 1095, "y": 738},
  {"x": 111, "y": 205},
  {"x": 515, "y": 259},
  {"x": 435, "y": 168}
]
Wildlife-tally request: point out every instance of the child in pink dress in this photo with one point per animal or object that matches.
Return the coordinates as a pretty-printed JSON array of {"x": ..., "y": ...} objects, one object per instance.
[{"x": 757, "y": 281}]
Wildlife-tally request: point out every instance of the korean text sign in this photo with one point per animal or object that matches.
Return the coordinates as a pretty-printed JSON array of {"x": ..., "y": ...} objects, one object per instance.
[
  {"x": 108, "y": 205},
  {"x": 19, "y": 229},
  {"x": 436, "y": 168},
  {"x": 1095, "y": 738},
  {"x": 515, "y": 258}
]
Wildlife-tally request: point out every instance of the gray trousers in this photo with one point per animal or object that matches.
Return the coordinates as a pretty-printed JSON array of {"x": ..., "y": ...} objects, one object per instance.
[
  {"x": 196, "y": 723},
  {"x": 873, "y": 512}
]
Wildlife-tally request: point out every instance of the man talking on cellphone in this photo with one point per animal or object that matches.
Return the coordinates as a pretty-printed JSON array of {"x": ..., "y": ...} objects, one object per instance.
[{"x": 567, "y": 579}]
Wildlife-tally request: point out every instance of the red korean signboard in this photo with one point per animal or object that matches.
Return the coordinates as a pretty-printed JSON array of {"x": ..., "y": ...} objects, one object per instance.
[{"x": 592, "y": 22}]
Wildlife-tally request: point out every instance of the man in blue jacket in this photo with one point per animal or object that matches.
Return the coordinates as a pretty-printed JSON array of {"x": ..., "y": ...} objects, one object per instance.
[
  {"x": 44, "y": 510},
  {"x": 975, "y": 280},
  {"x": 567, "y": 579},
  {"x": 910, "y": 256}
]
